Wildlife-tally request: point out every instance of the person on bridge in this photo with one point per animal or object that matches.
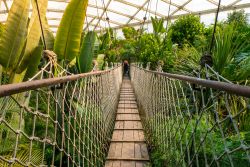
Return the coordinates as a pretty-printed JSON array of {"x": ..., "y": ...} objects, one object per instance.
[{"x": 126, "y": 67}]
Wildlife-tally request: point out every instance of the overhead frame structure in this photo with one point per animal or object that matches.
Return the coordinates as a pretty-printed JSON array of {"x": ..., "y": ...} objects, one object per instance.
[{"x": 102, "y": 14}]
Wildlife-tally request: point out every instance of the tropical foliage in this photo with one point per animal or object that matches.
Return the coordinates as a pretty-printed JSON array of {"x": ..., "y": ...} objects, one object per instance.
[
  {"x": 84, "y": 60},
  {"x": 180, "y": 47},
  {"x": 68, "y": 37},
  {"x": 21, "y": 48},
  {"x": 186, "y": 29}
]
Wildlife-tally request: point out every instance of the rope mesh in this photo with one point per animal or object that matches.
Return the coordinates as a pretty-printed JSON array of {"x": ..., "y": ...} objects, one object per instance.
[
  {"x": 66, "y": 125},
  {"x": 191, "y": 125}
]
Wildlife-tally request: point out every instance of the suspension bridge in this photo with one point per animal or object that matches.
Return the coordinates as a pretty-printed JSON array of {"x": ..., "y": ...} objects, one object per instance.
[{"x": 104, "y": 119}]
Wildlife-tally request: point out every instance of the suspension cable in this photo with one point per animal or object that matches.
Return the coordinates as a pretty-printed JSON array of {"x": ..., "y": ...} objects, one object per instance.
[
  {"x": 215, "y": 24},
  {"x": 168, "y": 18},
  {"x": 144, "y": 18},
  {"x": 41, "y": 26}
]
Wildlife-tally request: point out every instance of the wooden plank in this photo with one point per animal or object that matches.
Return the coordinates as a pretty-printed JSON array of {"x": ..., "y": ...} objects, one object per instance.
[
  {"x": 128, "y": 159},
  {"x": 128, "y": 147},
  {"x": 128, "y": 98},
  {"x": 128, "y": 117},
  {"x": 137, "y": 151},
  {"x": 128, "y": 141},
  {"x": 128, "y": 124},
  {"x": 112, "y": 150},
  {"x": 144, "y": 151},
  {"x": 108, "y": 164},
  {"x": 128, "y": 150},
  {"x": 127, "y": 102},
  {"x": 119, "y": 125},
  {"x": 141, "y": 135},
  {"x": 121, "y": 105},
  {"x": 118, "y": 150},
  {"x": 127, "y": 164},
  {"x": 116, "y": 163},
  {"x": 127, "y": 94},
  {"x": 136, "y": 117},
  {"x": 128, "y": 135},
  {"x": 137, "y": 125},
  {"x": 127, "y": 91},
  {"x": 136, "y": 135},
  {"x": 127, "y": 111},
  {"x": 141, "y": 164},
  {"x": 117, "y": 135}
]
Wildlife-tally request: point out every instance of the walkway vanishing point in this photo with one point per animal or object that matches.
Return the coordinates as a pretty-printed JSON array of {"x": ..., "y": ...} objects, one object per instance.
[
  {"x": 80, "y": 120},
  {"x": 128, "y": 147}
]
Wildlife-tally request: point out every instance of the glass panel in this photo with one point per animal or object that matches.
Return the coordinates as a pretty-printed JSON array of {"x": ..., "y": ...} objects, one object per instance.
[
  {"x": 118, "y": 18},
  {"x": 199, "y": 5},
  {"x": 137, "y": 2},
  {"x": 161, "y": 7},
  {"x": 120, "y": 7},
  {"x": 226, "y": 2}
]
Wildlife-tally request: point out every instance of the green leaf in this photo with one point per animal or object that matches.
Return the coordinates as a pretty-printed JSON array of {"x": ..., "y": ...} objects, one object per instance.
[
  {"x": 100, "y": 60},
  {"x": 34, "y": 33},
  {"x": 1, "y": 29},
  {"x": 14, "y": 35},
  {"x": 85, "y": 58},
  {"x": 67, "y": 42},
  {"x": 48, "y": 34},
  {"x": 32, "y": 68}
]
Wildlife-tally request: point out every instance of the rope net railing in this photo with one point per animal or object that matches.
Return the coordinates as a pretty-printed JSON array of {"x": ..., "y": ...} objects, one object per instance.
[
  {"x": 65, "y": 121},
  {"x": 193, "y": 122}
]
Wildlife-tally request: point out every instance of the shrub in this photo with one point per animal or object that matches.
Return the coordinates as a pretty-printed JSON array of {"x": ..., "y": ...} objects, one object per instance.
[{"x": 186, "y": 28}]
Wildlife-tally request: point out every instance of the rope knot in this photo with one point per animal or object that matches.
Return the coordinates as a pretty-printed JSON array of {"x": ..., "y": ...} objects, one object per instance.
[{"x": 50, "y": 56}]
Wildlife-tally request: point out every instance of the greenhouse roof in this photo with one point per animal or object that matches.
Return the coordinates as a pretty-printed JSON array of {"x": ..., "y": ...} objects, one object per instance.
[{"x": 103, "y": 14}]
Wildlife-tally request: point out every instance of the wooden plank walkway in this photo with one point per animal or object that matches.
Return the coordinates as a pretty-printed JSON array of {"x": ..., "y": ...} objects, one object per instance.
[{"x": 128, "y": 147}]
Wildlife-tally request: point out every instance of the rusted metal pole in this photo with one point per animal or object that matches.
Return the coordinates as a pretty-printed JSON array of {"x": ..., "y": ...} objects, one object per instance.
[{"x": 10, "y": 89}]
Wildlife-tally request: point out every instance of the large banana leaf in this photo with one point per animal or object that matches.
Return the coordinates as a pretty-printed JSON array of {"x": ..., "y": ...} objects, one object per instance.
[
  {"x": 67, "y": 42},
  {"x": 34, "y": 33},
  {"x": 33, "y": 65},
  {"x": 1, "y": 29},
  {"x": 14, "y": 35},
  {"x": 85, "y": 58}
]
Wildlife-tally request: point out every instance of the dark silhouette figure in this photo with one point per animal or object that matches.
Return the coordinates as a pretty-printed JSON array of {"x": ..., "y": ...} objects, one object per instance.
[{"x": 126, "y": 67}]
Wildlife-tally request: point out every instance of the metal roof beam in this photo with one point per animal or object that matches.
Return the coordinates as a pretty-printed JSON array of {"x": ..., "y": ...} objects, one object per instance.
[
  {"x": 181, "y": 7},
  {"x": 175, "y": 5},
  {"x": 104, "y": 11},
  {"x": 56, "y": 26},
  {"x": 113, "y": 11},
  {"x": 139, "y": 7},
  {"x": 204, "y": 12},
  {"x": 104, "y": 19},
  {"x": 233, "y": 3}
]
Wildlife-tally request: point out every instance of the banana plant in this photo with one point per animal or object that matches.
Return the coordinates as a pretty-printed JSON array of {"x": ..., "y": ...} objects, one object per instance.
[
  {"x": 84, "y": 60},
  {"x": 34, "y": 33},
  {"x": 14, "y": 34},
  {"x": 32, "y": 68},
  {"x": 67, "y": 41},
  {"x": 19, "y": 42}
]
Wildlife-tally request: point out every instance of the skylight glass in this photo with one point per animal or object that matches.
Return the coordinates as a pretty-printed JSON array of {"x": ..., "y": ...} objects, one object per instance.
[{"x": 131, "y": 12}]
